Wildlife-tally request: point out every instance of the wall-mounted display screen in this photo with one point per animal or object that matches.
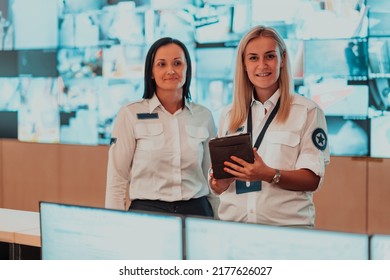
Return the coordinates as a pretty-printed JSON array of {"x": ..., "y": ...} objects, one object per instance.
[
  {"x": 8, "y": 124},
  {"x": 350, "y": 56},
  {"x": 30, "y": 63},
  {"x": 379, "y": 17},
  {"x": 348, "y": 137},
  {"x": 92, "y": 55}
]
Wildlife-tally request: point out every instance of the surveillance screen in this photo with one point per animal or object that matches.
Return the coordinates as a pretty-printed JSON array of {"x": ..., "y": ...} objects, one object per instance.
[
  {"x": 379, "y": 17},
  {"x": 348, "y": 137},
  {"x": 336, "y": 58}
]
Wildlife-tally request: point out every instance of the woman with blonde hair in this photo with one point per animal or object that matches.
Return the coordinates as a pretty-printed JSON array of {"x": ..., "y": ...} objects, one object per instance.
[{"x": 289, "y": 134}]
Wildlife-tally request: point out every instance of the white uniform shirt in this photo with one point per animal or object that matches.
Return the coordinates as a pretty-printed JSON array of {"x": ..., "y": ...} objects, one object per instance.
[
  {"x": 287, "y": 146},
  {"x": 157, "y": 155}
]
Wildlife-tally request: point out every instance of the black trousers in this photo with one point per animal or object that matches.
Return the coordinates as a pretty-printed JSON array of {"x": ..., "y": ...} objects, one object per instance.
[{"x": 197, "y": 206}]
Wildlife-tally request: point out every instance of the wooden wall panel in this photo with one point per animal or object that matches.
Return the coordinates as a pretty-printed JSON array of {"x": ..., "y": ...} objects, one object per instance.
[
  {"x": 341, "y": 203},
  {"x": 354, "y": 198},
  {"x": 30, "y": 174},
  {"x": 83, "y": 174},
  {"x": 379, "y": 196}
]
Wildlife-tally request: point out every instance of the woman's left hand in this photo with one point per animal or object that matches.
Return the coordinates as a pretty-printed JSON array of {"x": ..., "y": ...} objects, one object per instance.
[{"x": 245, "y": 171}]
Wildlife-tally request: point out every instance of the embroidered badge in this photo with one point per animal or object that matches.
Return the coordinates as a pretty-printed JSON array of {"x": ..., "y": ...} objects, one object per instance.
[
  {"x": 112, "y": 141},
  {"x": 144, "y": 116},
  {"x": 319, "y": 138}
]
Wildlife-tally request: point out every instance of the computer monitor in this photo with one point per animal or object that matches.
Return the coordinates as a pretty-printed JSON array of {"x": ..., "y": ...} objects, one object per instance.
[
  {"x": 30, "y": 63},
  {"x": 10, "y": 59},
  {"x": 350, "y": 56},
  {"x": 222, "y": 240},
  {"x": 9, "y": 124},
  {"x": 71, "y": 232},
  {"x": 38, "y": 63},
  {"x": 348, "y": 136},
  {"x": 379, "y": 17},
  {"x": 380, "y": 247}
]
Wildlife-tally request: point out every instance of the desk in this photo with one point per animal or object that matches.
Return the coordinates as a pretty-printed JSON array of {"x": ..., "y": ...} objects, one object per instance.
[
  {"x": 29, "y": 237},
  {"x": 19, "y": 226}
]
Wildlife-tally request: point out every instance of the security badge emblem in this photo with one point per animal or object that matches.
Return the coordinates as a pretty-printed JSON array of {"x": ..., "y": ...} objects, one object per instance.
[{"x": 319, "y": 138}]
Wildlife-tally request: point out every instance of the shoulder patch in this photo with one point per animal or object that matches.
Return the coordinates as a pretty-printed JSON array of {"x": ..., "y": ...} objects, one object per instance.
[{"x": 319, "y": 138}]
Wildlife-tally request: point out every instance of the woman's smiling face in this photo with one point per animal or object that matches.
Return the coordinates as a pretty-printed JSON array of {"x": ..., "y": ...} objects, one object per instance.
[{"x": 262, "y": 60}]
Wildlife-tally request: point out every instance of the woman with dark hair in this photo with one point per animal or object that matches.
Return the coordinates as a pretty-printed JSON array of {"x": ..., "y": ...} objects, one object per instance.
[
  {"x": 289, "y": 134},
  {"x": 159, "y": 154}
]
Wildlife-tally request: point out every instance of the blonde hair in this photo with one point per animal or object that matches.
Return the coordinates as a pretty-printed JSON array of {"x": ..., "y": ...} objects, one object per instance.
[{"x": 243, "y": 88}]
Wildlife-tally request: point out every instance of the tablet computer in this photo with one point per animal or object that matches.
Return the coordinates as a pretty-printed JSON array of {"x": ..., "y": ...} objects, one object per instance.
[{"x": 222, "y": 148}]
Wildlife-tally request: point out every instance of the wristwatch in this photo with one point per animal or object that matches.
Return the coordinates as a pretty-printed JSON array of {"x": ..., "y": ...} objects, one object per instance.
[{"x": 276, "y": 178}]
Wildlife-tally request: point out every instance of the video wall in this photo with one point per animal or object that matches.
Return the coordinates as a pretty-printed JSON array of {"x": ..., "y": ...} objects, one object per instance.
[{"x": 66, "y": 67}]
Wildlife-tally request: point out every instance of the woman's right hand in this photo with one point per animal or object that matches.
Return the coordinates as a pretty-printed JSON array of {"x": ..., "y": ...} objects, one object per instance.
[{"x": 219, "y": 185}]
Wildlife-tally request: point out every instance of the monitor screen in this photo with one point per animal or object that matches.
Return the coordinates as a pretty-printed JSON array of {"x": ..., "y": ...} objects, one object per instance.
[
  {"x": 80, "y": 62},
  {"x": 124, "y": 61},
  {"x": 29, "y": 24},
  {"x": 221, "y": 240},
  {"x": 379, "y": 57},
  {"x": 309, "y": 19},
  {"x": 32, "y": 63},
  {"x": 10, "y": 94},
  {"x": 38, "y": 110},
  {"x": 215, "y": 62},
  {"x": 350, "y": 56},
  {"x": 380, "y": 247},
  {"x": 380, "y": 136},
  {"x": 338, "y": 96},
  {"x": 379, "y": 17},
  {"x": 348, "y": 137},
  {"x": 38, "y": 63},
  {"x": 219, "y": 21},
  {"x": 71, "y": 232},
  {"x": 8, "y": 124}
]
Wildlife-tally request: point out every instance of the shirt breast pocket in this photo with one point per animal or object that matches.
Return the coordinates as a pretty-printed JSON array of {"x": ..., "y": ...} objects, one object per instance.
[
  {"x": 283, "y": 146},
  {"x": 149, "y": 136},
  {"x": 196, "y": 136}
]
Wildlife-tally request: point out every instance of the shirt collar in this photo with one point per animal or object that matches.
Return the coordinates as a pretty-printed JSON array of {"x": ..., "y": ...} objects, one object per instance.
[
  {"x": 154, "y": 102},
  {"x": 273, "y": 99}
]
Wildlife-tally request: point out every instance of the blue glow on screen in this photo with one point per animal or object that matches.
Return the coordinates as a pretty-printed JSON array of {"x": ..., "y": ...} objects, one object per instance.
[
  {"x": 243, "y": 241},
  {"x": 88, "y": 58},
  {"x": 72, "y": 232},
  {"x": 380, "y": 247}
]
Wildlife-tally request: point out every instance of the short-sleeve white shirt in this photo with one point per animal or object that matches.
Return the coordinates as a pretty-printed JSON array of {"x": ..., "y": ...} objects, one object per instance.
[
  {"x": 157, "y": 155},
  {"x": 287, "y": 146}
]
